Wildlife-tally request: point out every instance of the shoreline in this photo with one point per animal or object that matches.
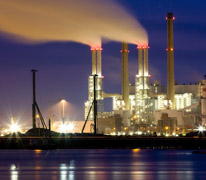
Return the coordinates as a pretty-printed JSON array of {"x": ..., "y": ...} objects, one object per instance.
[{"x": 102, "y": 142}]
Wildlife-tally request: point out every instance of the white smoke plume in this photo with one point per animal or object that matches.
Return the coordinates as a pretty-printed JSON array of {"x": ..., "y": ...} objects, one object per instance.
[{"x": 83, "y": 21}]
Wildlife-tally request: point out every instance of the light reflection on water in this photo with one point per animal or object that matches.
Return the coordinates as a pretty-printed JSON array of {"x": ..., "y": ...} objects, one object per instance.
[
  {"x": 101, "y": 165},
  {"x": 14, "y": 172}
]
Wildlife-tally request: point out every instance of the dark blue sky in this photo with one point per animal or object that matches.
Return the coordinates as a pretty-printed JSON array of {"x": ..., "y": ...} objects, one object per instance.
[{"x": 64, "y": 67}]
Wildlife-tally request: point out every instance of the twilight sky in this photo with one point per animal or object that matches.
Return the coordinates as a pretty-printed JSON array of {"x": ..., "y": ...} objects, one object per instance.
[{"x": 64, "y": 67}]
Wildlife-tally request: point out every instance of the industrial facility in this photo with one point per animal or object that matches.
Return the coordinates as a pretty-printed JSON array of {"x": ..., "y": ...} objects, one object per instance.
[{"x": 144, "y": 106}]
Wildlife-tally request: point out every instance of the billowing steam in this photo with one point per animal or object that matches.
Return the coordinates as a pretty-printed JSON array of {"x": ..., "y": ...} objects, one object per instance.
[{"x": 84, "y": 21}]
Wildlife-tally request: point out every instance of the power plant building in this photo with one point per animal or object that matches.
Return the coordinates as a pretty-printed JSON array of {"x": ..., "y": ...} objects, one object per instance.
[{"x": 144, "y": 105}]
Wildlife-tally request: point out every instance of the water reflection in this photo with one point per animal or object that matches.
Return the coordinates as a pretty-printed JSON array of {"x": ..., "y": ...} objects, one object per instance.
[
  {"x": 63, "y": 171},
  {"x": 67, "y": 171},
  {"x": 71, "y": 170},
  {"x": 14, "y": 172},
  {"x": 101, "y": 165}
]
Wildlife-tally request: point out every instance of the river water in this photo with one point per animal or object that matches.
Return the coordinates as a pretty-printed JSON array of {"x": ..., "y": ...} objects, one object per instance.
[{"x": 101, "y": 165}]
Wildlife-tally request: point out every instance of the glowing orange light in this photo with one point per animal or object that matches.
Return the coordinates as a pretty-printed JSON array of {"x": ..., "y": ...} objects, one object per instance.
[
  {"x": 124, "y": 51},
  {"x": 37, "y": 151},
  {"x": 143, "y": 47},
  {"x": 37, "y": 167},
  {"x": 135, "y": 150},
  {"x": 171, "y": 49}
]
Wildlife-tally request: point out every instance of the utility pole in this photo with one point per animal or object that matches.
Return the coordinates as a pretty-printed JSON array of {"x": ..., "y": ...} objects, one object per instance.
[
  {"x": 34, "y": 98},
  {"x": 95, "y": 105}
]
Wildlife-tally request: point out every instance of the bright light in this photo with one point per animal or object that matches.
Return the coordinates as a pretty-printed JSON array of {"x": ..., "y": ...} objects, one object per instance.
[
  {"x": 63, "y": 100},
  {"x": 13, "y": 167},
  {"x": 71, "y": 127},
  {"x": 14, "y": 128},
  {"x": 139, "y": 132},
  {"x": 62, "y": 128},
  {"x": 6, "y": 130},
  {"x": 113, "y": 133},
  {"x": 201, "y": 129},
  {"x": 166, "y": 127}
]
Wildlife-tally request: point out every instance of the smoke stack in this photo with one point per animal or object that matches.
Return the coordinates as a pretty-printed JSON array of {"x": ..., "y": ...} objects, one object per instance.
[
  {"x": 146, "y": 73},
  {"x": 170, "y": 60},
  {"x": 125, "y": 75},
  {"x": 94, "y": 69},
  {"x": 99, "y": 62},
  {"x": 140, "y": 62},
  {"x": 146, "y": 61}
]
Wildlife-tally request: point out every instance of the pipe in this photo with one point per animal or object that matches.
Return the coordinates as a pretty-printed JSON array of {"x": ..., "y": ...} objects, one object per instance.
[
  {"x": 125, "y": 75},
  {"x": 110, "y": 95},
  {"x": 170, "y": 60}
]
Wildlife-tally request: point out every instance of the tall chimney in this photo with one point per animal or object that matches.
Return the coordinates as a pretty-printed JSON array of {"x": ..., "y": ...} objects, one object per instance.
[
  {"x": 170, "y": 60},
  {"x": 125, "y": 75},
  {"x": 146, "y": 61},
  {"x": 146, "y": 73},
  {"x": 99, "y": 62},
  {"x": 140, "y": 62},
  {"x": 94, "y": 68}
]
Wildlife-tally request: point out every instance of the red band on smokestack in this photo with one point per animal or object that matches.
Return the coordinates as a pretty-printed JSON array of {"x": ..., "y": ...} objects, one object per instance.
[
  {"x": 127, "y": 51},
  {"x": 143, "y": 47},
  {"x": 96, "y": 49}
]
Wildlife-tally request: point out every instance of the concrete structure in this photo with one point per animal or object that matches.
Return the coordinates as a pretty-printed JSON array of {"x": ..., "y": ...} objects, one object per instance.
[
  {"x": 202, "y": 90},
  {"x": 167, "y": 125},
  {"x": 125, "y": 75},
  {"x": 170, "y": 60}
]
